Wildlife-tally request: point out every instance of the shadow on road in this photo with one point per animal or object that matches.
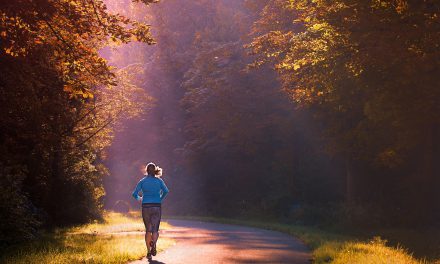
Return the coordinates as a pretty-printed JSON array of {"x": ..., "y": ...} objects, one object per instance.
[{"x": 156, "y": 262}]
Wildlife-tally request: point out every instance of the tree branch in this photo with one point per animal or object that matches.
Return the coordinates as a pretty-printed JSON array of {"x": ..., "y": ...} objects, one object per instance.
[{"x": 109, "y": 121}]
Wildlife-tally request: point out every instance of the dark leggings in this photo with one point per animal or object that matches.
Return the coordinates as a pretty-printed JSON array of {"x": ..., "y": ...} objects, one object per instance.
[{"x": 151, "y": 214}]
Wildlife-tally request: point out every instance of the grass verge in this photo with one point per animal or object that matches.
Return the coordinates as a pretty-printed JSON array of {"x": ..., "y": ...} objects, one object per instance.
[
  {"x": 330, "y": 246},
  {"x": 117, "y": 240}
]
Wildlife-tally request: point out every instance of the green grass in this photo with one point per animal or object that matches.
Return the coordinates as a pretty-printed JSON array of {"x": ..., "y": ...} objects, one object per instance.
[
  {"x": 329, "y": 246},
  {"x": 374, "y": 252},
  {"x": 117, "y": 240}
]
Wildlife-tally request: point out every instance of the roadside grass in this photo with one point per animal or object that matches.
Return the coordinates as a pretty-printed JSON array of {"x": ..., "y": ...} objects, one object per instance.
[
  {"x": 329, "y": 246},
  {"x": 374, "y": 252},
  {"x": 118, "y": 239}
]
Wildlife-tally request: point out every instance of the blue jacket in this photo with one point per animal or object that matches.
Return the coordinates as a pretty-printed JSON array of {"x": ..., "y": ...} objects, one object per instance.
[{"x": 153, "y": 190}]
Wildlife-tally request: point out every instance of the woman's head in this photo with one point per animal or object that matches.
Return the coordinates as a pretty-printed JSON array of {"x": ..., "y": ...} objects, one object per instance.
[{"x": 152, "y": 169}]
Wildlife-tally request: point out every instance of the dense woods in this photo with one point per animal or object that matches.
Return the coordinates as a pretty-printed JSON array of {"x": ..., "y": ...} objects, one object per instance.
[
  {"x": 365, "y": 69},
  {"x": 59, "y": 102},
  {"x": 316, "y": 112},
  {"x": 343, "y": 132}
]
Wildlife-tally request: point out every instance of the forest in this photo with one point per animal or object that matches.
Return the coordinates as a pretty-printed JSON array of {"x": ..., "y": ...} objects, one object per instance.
[{"x": 313, "y": 112}]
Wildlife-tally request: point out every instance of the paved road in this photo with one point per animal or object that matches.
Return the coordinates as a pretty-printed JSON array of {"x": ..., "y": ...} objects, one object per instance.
[{"x": 211, "y": 243}]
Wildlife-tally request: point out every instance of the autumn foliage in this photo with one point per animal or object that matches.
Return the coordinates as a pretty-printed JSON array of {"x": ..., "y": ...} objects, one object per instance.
[
  {"x": 310, "y": 111},
  {"x": 59, "y": 103},
  {"x": 367, "y": 69}
]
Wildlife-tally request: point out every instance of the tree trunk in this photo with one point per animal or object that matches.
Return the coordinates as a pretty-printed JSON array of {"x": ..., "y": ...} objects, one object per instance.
[
  {"x": 349, "y": 184},
  {"x": 428, "y": 202},
  {"x": 55, "y": 188}
]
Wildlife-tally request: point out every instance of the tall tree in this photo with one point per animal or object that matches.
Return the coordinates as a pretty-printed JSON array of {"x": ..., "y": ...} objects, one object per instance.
[
  {"x": 59, "y": 102},
  {"x": 368, "y": 67}
]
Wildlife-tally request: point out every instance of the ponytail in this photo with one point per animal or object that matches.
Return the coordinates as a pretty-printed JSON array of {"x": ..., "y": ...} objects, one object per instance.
[
  {"x": 152, "y": 169},
  {"x": 158, "y": 171}
]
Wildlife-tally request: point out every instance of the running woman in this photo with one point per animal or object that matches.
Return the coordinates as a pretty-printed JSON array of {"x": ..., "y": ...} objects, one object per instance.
[{"x": 153, "y": 190}]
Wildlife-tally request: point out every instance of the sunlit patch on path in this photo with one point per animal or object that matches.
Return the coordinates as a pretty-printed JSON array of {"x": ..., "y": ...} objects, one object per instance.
[{"x": 200, "y": 242}]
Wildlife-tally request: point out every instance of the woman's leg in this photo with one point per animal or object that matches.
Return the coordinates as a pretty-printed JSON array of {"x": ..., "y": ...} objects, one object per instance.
[
  {"x": 155, "y": 237},
  {"x": 147, "y": 222},
  {"x": 148, "y": 239},
  {"x": 155, "y": 222}
]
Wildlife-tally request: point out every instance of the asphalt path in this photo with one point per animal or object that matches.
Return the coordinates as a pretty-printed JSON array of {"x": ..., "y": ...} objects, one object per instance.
[{"x": 212, "y": 243}]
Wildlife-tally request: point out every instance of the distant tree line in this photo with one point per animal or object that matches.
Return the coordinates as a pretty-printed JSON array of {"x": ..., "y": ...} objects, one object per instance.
[{"x": 322, "y": 111}]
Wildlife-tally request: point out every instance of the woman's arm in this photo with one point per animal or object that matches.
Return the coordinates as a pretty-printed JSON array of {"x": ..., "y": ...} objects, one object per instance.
[
  {"x": 135, "y": 193},
  {"x": 164, "y": 189}
]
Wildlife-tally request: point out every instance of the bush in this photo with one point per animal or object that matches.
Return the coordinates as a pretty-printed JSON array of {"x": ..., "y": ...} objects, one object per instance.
[{"x": 18, "y": 220}]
